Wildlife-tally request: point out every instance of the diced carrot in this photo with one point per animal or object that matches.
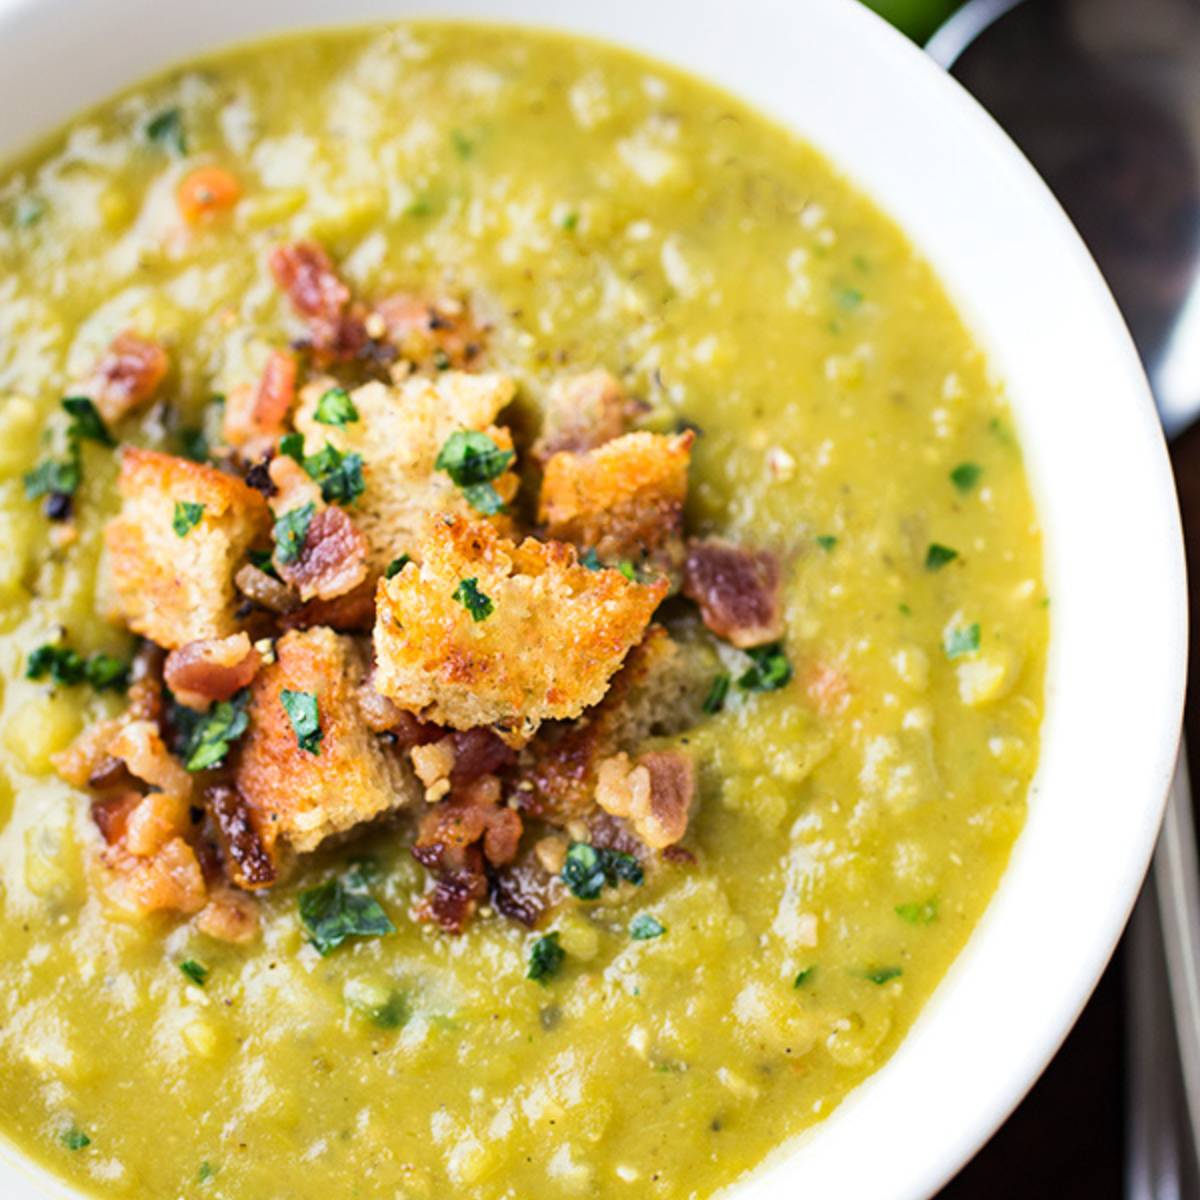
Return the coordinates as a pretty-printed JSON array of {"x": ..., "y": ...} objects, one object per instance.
[{"x": 207, "y": 191}]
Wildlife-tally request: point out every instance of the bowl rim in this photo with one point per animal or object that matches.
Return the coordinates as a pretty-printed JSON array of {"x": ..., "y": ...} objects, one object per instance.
[{"x": 939, "y": 166}]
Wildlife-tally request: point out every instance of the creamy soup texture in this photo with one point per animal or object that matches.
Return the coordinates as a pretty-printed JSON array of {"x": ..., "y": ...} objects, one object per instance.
[{"x": 599, "y": 210}]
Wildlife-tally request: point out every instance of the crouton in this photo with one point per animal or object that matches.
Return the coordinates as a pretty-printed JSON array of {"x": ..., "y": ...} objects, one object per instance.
[
  {"x": 624, "y": 500},
  {"x": 301, "y": 796},
  {"x": 583, "y": 412},
  {"x": 659, "y": 691},
  {"x": 174, "y": 587},
  {"x": 399, "y": 432},
  {"x": 484, "y": 632}
]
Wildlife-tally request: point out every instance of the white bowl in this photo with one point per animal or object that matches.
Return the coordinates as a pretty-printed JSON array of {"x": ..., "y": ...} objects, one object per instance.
[{"x": 910, "y": 138}]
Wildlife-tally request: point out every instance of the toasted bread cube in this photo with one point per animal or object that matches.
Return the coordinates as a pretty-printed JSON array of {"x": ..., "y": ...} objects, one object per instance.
[
  {"x": 300, "y": 796},
  {"x": 399, "y": 433},
  {"x": 175, "y": 588},
  {"x": 623, "y": 499},
  {"x": 541, "y": 641}
]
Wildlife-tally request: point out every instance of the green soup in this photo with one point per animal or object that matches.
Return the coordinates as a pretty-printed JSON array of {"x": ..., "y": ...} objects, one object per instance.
[{"x": 851, "y": 826}]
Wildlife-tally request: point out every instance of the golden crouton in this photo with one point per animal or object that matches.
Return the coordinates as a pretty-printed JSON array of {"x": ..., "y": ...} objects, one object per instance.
[
  {"x": 485, "y": 632},
  {"x": 624, "y": 500},
  {"x": 171, "y": 565},
  {"x": 300, "y": 796},
  {"x": 399, "y": 433}
]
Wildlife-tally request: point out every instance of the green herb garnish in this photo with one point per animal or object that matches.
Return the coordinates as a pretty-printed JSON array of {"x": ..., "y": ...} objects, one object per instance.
[
  {"x": 961, "y": 640},
  {"x": 590, "y": 559},
  {"x": 965, "y": 476},
  {"x": 339, "y": 909},
  {"x": 340, "y": 475},
  {"x": 166, "y": 129},
  {"x": 545, "y": 959},
  {"x": 473, "y": 460},
  {"x": 305, "y": 716},
  {"x": 68, "y": 667},
  {"x": 54, "y": 477},
  {"x": 86, "y": 421},
  {"x": 336, "y": 408},
  {"x": 396, "y": 566},
  {"x": 291, "y": 445},
  {"x": 210, "y": 737},
  {"x": 290, "y": 531},
  {"x": 771, "y": 669},
  {"x": 473, "y": 600},
  {"x": 589, "y": 869},
  {"x": 570, "y": 221},
  {"x": 194, "y": 444},
  {"x": 106, "y": 672},
  {"x": 75, "y": 1139},
  {"x": 937, "y": 556},
  {"x": 644, "y": 927},
  {"x": 207, "y": 1173},
  {"x": 848, "y": 298},
  {"x": 826, "y": 541},
  {"x": 804, "y": 977},
  {"x": 882, "y": 975},
  {"x": 918, "y": 914},
  {"x": 197, "y": 973},
  {"x": 715, "y": 700},
  {"x": 187, "y": 517}
]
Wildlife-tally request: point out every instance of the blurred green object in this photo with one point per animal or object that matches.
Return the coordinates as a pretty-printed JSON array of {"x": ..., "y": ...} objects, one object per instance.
[{"x": 917, "y": 18}]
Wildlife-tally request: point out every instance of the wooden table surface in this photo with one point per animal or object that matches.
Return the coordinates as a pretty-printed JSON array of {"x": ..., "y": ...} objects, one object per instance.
[{"x": 1067, "y": 1140}]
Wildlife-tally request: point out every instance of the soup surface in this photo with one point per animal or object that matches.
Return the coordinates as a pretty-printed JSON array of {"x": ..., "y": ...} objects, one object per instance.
[{"x": 597, "y": 210}]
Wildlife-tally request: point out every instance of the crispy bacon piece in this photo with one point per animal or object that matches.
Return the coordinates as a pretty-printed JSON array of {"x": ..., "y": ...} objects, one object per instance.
[
  {"x": 523, "y": 891},
  {"x": 352, "y": 613},
  {"x": 584, "y": 412},
  {"x": 441, "y": 332},
  {"x": 171, "y": 879},
  {"x": 140, "y": 746},
  {"x": 212, "y": 669},
  {"x": 478, "y": 752},
  {"x": 247, "y": 862},
  {"x": 255, "y": 413},
  {"x": 455, "y": 895},
  {"x": 304, "y": 272},
  {"x": 257, "y": 585},
  {"x": 655, "y": 794},
  {"x": 153, "y": 822},
  {"x": 229, "y": 916},
  {"x": 737, "y": 591},
  {"x": 127, "y": 375},
  {"x": 111, "y": 815},
  {"x": 333, "y": 559},
  {"x": 379, "y": 714}
]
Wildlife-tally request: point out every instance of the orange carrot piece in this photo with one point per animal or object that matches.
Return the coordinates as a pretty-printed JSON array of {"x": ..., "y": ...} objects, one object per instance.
[{"x": 207, "y": 191}]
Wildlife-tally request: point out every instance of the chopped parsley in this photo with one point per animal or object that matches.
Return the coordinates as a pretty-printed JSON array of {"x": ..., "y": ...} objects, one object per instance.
[
  {"x": 545, "y": 959},
  {"x": 339, "y": 909},
  {"x": 826, "y": 541},
  {"x": 590, "y": 559},
  {"x": 29, "y": 210},
  {"x": 340, "y": 475},
  {"x": 262, "y": 559},
  {"x": 570, "y": 221},
  {"x": 463, "y": 146},
  {"x": 383, "y": 1007},
  {"x": 187, "y": 517},
  {"x": 194, "y": 444},
  {"x": 305, "y": 716},
  {"x": 966, "y": 475},
  {"x": 715, "y": 700},
  {"x": 336, "y": 408},
  {"x": 209, "y": 737},
  {"x": 881, "y": 975},
  {"x": 197, "y": 973},
  {"x": 207, "y": 1173},
  {"x": 937, "y": 556},
  {"x": 918, "y": 914},
  {"x": 75, "y": 1139},
  {"x": 473, "y": 460},
  {"x": 961, "y": 640},
  {"x": 396, "y": 566},
  {"x": 165, "y": 129},
  {"x": 86, "y": 423},
  {"x": 626, "y": 567},
  {"x": 54, "y": 476},
  {"x": 804, "y": 977},
  {"x": 290, "y": 531},
  {"x": 291, "y": 445},
  {"x": 589, "y": 869},
  {"x": 68, "y": 667},
  {"x": 473, "y": 600},
  {"x": 441, "y": 360},
  {"x": 848, "y": 298},
  {"x": 770, "y": 670},
  {"x": 645, "y": 927}
]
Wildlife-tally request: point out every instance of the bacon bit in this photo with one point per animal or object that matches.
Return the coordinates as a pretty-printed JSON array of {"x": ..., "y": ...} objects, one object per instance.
[
  {"x": 304, "y": 272},
  {"x": 411, "y": 731},
  {"x": 679, "y": 856},
  {"x": 432, "y": 764},
  {"x": 247, "y": 861},
  {"x": 454, "y": 897},
  {"x": 126, "y": 376},
  {"x": 86, "y": 753},
  {"x": 258, "y": 586},
  {"x": 256, "y": 414},
  {"x": 333, "y": 559},
  {"x": 109, "y": 773},
  {"x": 524, "y": 891},
  {"x": 141, "y": 748},
  {"x": 170, "y": 880},
  {"x": 212, "y": 669},
  {"x": 737, "y": 591},
  {"x": 478, "y": 752},
  {"x": 351, "y": 613},
  {"x": 584, "y": 412},
  {"x": 229, "y": 916},
  {"x": 379, "y": 714},
  {"x": 111, "y": 815},
  {"x": 153, "y": 822},
  {"x": 438, "y": 333},
  {"x": 655, "y": 794},
  {"x": 145, "y": 690},
  {"x": 205, "y": 192}
]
